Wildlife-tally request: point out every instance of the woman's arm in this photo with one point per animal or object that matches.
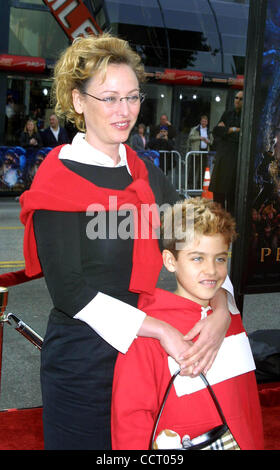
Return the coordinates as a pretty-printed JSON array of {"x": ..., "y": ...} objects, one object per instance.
[
  {"x": 172, "y": 341},
  {"x": 59, "y": 248},
  {"x": 59, "y": 243},
  {"x": 197, "y": 357},
  {"x": 56, "y": 236}
]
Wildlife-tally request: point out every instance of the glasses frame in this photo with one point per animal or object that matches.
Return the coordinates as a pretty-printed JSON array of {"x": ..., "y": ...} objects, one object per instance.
[{"x": 142, "y": 97}]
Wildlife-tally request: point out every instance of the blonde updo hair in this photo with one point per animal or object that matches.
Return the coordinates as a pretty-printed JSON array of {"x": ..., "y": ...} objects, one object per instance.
[
  {"x": 77, "y": 65},
  {"x": 198, "y": 215}
]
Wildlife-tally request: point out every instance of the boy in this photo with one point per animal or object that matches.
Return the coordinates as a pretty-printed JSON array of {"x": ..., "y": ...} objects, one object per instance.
[{"x": 196, "y": 237}]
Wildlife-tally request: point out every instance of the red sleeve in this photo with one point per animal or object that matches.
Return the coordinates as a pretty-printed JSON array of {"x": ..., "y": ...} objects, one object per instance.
[
  {"x": 135, "y": 397},
  {"x": 236, "y": 325}
]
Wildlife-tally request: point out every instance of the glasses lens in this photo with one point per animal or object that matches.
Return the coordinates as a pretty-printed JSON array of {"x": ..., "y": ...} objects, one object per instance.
[{"x": 134, "y": 99}]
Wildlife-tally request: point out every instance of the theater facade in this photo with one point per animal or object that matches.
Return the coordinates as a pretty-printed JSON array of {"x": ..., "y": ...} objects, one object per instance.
[{"x": 193, "y": 51}]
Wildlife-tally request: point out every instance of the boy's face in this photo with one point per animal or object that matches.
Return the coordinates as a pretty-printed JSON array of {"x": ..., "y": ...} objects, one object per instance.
[{"x": 200, "y": 268}]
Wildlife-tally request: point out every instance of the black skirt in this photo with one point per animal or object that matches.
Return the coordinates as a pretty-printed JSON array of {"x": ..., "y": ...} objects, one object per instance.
[{"x": 77, "y": 368}]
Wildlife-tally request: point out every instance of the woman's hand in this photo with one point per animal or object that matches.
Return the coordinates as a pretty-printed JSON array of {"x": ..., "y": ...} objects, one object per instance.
[
  {"x": 176, "y": 346},
  {"x": 171, "y": 339},
  {"x": 193, "y": 358},
  {"x": 211, "y": 331}
]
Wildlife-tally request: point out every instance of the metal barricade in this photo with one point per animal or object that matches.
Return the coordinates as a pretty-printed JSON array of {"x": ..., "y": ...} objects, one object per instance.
[
  {"x": 186, "y": 174},
  {"x": 171, "y": 164},
  {"x": 17, "y": 323},
  {"x": 194, "y": 164}
]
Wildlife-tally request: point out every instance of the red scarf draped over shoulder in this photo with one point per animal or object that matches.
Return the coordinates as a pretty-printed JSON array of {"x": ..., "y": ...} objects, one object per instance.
[{"x": 57, "y": 188}]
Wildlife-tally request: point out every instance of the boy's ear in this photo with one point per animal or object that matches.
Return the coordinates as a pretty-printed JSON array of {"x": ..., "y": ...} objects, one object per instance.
[{"x": 169, "y": 261}]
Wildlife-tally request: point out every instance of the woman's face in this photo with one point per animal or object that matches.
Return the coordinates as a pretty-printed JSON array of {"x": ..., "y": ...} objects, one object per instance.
[
  {"x": 30, "y": 126},
  {"x": 108, "y": 125}
]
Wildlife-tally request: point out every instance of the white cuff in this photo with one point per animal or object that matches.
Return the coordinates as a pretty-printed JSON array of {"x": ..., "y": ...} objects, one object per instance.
[
  {"x": 115, "y": 321},
  {"x": 227, "y": 285}
]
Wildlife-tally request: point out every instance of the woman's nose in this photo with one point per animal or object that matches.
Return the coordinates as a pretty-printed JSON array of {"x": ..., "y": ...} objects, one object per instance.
[{"x": 123, "y": 107}]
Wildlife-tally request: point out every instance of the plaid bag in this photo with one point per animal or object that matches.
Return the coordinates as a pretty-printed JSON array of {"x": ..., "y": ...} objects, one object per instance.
[{"x": 218, "y": 438}]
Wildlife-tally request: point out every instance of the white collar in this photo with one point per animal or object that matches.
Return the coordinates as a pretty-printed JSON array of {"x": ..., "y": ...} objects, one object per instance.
[
  {"x": 204, "y": 311},
  {"x": 82, "y": 152}
]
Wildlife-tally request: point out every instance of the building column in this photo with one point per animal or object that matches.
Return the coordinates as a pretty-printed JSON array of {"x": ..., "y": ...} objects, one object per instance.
[{"x": 4, "y": 49}]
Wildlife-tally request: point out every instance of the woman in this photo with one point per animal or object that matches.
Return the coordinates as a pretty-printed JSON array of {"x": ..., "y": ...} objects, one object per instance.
[
  {"x": 80, "y": 239},
  {"x": 30, "y": 137},
  {"x": 138, "y": 140}
]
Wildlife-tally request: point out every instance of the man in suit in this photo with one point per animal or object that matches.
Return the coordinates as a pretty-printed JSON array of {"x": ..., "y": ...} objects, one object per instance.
[
  {"x": 199, "y": 136},
  {"x": 199, "y": 139},
  {"x": 55, "y": 134}
]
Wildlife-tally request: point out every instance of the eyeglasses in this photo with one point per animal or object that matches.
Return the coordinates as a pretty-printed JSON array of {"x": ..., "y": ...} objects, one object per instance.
[
  {"x": 112, "y": 101},
  {"x": 237, "y": 98}
]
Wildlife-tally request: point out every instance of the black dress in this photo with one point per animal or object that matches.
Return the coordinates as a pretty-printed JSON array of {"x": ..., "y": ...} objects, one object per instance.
[
  {"x": 223, "y": 177},
  {"x": 77, "y": 364}
]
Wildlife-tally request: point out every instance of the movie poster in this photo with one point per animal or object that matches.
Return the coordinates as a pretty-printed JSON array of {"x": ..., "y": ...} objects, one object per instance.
[
  {"x": 263, "y": 267},
  {"x": 18, "y": 167}
]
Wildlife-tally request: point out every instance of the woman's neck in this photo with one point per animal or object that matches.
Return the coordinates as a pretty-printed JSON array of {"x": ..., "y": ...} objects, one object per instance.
[{"x": 113, "y": 151}]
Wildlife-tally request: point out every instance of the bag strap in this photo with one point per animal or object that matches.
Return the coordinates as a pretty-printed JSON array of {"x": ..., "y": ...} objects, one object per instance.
[{"x": 209, "y": 388}]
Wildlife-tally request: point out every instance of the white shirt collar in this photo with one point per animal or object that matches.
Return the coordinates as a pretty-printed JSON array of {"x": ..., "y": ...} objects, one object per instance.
[
  {"x": 203, "y": 130},
  {"x": 82, "y": 152},
  {"x": 55, "y": 131}
]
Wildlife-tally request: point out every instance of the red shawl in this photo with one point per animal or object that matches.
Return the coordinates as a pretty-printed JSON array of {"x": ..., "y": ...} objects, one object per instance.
[{"x": 57, "y": 188}]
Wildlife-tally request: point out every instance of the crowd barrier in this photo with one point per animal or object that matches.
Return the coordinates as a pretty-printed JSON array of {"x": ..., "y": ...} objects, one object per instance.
[
  {"x": 171, "y": 163},
  {"x": 186, "y": 173},
  {"x": 18, "y": 167},
  {"x": 13, "y": 319}
]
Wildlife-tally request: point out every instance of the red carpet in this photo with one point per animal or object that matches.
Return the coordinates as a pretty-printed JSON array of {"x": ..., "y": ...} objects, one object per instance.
[
  {"x": 270, "y": 403},
  {"x": 22, "y": 429}
]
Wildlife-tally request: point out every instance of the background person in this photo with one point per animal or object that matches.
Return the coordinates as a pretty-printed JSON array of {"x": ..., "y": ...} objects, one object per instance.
[
  {"x": 199, "y": 139},
  {"x": 226, "y": 139},
  {"x": 162, "y": 142},
  {"x": 94, "y": 281},
  {"x": 30, "y": 136},
  {"x": 138, "y": 140},
  {"x": 199, "y": 136},
  {"x": 55, "y": 134},
  {"x": 164, "y": 122}
]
